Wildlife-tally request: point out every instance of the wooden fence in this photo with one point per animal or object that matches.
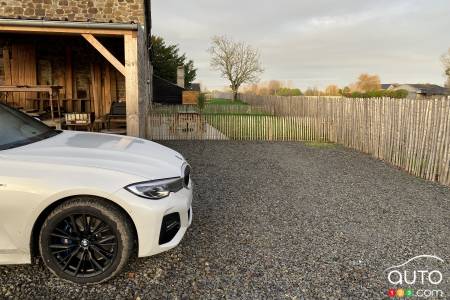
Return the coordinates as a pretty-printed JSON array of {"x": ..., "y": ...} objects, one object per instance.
[
  {"x": 215, "y": 109},
  {"x": 411, "y": 134},
  {"x": 193, "y": 126},
  {"x": 289, "y": 106}
]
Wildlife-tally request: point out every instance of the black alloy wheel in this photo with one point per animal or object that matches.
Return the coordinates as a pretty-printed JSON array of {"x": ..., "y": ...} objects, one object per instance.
[
  {"x": 83, "y": 245},
  {"x": 86, "y": 241}
]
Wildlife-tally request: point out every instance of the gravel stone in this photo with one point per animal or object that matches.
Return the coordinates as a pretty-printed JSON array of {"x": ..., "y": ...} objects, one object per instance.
[{"x": 277, "y": 220}]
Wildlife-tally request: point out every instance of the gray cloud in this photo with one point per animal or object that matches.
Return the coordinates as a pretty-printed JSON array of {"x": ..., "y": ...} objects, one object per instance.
[{"x": 316, "y": 43}]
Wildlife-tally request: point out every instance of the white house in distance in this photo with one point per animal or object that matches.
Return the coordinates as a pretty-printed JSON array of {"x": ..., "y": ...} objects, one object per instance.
[{"x": 419, "y": 91}]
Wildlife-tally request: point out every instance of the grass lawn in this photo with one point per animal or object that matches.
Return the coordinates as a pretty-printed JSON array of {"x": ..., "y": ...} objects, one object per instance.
[
  {"x": 251, "y": 127},
  {"x": 240, "y": 112},
  {"x": 229, "y": 107},
  {"x": 219, "y": 101},
  {"x": 216, "y": 107}
]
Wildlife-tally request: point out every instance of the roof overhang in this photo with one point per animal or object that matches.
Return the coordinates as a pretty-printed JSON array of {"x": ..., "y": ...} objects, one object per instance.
[{"x": 65, "y": 27}]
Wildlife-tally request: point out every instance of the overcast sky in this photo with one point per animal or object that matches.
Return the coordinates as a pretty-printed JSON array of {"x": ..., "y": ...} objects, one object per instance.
[{"x": 315, "y": 43}]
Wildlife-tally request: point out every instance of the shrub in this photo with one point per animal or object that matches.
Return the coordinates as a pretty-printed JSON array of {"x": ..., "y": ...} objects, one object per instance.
[
  {"x": 201, "y": 101},
  {"x": 289, "y": 92},
  {"x": 399, "y": 94}
]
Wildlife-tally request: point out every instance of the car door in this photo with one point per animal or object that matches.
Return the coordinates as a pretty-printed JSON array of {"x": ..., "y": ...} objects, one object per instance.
[
  {"x": 19, "y": 194},
  {"x": 6, "y": 208}
]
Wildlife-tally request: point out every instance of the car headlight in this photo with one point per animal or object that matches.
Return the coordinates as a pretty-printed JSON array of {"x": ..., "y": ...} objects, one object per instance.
[{"x": 156, "y": 189}]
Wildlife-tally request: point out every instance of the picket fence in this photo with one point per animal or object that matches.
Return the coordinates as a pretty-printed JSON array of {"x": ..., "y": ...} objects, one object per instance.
[
  {"x": 193, "y": 126},
  {"x": 215, "y": 109},
  {"x": 411, "y": 134}
]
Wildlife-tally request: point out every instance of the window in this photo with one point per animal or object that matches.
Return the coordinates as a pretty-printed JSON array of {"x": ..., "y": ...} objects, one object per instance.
[{"x": 18, "y": 129}]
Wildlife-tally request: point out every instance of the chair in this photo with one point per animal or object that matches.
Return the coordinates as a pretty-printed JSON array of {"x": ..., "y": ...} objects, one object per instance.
[{"x": 117, "y": 114}]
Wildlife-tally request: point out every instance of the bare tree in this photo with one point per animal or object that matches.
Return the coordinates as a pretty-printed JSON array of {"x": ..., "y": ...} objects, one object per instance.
[
  {"x": 237, "y": 62},
  {"x": 446, "y": 62},
  {"x": 274, "y": 86}
]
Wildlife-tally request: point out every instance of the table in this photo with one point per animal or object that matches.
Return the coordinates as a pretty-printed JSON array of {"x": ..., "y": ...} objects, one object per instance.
[
  {"x": 50, "y": 89},
  {"x": 68, "y": 101}
]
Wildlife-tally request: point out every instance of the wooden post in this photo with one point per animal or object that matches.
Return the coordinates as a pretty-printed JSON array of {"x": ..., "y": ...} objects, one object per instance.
[
  {"x": 131, "y": 85},
  {"x": 106, "y": 103},
  {"x": 7, "y": 65},
  {"x": 96, "y": 89},
  {"x": 69, "y": 79}
]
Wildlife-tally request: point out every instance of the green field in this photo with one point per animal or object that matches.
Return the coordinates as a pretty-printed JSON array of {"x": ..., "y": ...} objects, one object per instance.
[
  {"x": 219, "y": 101},
  {"x": 229, "y": 107},
  {"x": 247, "y": 127}
]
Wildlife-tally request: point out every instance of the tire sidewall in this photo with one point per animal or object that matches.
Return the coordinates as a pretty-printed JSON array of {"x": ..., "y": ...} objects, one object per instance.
[{"x": 110, "y": 217}]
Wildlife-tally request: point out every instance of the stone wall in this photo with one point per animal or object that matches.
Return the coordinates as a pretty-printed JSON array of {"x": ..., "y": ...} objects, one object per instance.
[{"x": 117, "y": 11}]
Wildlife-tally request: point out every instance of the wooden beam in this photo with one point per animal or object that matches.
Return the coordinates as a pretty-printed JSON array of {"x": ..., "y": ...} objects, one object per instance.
[
  {"x": 30, "y": 88},
  {"x": 96, "y": 89},
  {"x": 62, "y": 30},
  {"x": 7, "y": 65},
  {"x": 132, "y": 85},
  {"x": 69, "y": 79},
  {"x": 106, "y": 54},
  {"x": 113, "y": 85},
  {"x": 106, "y": 103}
]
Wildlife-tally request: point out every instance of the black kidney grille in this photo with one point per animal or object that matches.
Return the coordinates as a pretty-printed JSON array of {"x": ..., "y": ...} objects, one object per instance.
[{"x": 187, "y": 175}]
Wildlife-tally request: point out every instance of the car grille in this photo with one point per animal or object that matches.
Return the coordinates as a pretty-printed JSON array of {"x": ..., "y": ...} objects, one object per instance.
[
  {"x": 187, "y": 175},
  {"x": 170, "y": 226}
]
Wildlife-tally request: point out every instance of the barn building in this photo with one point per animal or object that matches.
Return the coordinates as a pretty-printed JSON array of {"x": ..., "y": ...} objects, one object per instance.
[{"x": 77, "y": 56}]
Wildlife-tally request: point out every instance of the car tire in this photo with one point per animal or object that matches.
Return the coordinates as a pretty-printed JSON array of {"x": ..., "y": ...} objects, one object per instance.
[{"x": 86, "y": 240}]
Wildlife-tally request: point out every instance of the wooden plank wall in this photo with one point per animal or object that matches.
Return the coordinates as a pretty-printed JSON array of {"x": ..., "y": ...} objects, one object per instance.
[
  {"x": 190, "y": 97},
  {"x": 68, "y": 78},
  {"x": 96, "y": 89},
  {"x": 71, "y": 67},
  {"x": 103, "y": 88},
  {"x": 21, "y": 70}
]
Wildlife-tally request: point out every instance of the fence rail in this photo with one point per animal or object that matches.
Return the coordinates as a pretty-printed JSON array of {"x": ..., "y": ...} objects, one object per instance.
[
  {"x": 411, "y": 134},
  {"x": 215, "y": 109}
]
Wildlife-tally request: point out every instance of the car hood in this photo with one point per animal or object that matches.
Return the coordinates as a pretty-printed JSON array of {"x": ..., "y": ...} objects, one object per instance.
[{"x": 125, "y": 154}]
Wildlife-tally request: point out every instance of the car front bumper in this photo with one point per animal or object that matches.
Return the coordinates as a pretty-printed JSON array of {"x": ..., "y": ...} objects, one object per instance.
[{"x": 148, "y": 216}]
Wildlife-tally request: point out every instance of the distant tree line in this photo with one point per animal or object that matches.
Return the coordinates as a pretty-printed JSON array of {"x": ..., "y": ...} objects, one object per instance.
[
  {"x": 240, "y": 64},
  {"x": 273, "y": 88},
  {"x": 367, "y": 86}
]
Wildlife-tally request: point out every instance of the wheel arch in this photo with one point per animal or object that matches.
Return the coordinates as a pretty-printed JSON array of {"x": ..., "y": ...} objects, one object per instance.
[{"x": 34, "y": 238}]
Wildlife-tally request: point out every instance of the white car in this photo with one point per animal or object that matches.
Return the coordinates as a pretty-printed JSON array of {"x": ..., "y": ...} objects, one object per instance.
[{"x": 86, "y": 202}]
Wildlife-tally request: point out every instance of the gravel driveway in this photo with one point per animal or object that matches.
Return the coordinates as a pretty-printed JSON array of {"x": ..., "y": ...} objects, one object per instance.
[{"x": 278, "y": 220}]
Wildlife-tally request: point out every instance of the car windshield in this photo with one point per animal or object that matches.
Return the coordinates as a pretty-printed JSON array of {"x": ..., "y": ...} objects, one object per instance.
[{"x": 18, "y": 129}]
